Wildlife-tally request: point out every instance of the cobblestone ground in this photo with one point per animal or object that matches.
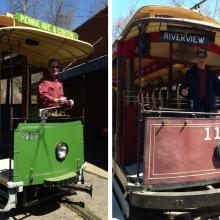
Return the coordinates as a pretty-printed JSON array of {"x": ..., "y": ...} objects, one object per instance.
[{"x": 56, "y": 209}]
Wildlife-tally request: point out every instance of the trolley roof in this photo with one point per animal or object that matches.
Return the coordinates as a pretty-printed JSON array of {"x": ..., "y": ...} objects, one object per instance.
[
  {"x": 170, "y": 35},
  {"x": 39, "y": 45},
  {"x": 169, "y": 13},
  {"x": 7, "y": 20}
]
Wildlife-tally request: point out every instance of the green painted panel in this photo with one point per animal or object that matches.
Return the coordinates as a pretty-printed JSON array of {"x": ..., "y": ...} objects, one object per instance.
[
  {"x": 34, "y": 151},
  {"x": 45, "y": 26},
  {"x": 63, "y": 177}
]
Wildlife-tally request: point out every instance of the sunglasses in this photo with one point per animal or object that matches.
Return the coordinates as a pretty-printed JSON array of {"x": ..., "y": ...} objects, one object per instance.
[{"x": 53, "y": 67}]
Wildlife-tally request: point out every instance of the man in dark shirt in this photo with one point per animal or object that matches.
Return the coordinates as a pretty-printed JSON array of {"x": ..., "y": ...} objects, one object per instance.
[
  {"x": 50, "y": 90},
  {"x": 200, "y": 85}
]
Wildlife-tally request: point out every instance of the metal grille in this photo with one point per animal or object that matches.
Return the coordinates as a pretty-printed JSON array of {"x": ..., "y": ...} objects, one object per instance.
[{"x": 157, "y": 99}]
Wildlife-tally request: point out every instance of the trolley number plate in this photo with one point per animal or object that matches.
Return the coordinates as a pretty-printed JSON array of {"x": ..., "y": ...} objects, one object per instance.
[
  {"x": 211, "y": 130},
  {"x": 31, "y": 136}
]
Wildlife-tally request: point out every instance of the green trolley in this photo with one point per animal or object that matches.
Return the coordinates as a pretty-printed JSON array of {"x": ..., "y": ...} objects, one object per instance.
[{"x": 41, "y": 151}]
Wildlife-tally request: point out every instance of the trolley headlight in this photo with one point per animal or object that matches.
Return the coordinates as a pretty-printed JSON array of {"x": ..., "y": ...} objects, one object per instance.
[{"x": 61, "y": 151}]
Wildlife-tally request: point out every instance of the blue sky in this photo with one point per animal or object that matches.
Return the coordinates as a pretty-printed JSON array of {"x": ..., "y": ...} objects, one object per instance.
[{"x": 83, "y": 9}]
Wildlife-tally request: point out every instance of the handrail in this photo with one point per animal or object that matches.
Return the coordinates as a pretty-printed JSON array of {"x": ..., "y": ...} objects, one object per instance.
[{"x": 176, "y": 111}]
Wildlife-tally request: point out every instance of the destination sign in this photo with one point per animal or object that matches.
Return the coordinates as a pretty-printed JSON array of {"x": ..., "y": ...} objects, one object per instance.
[
  {"x": 183, "y": 37},
  {"x": 45, "y": 26}
]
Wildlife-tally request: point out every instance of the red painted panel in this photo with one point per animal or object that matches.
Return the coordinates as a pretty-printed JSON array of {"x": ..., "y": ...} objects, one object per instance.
[
  {"x": 128, "y": 141},
  {"x": 181, "y": 150},
  {"x": 124, "y": 48}
]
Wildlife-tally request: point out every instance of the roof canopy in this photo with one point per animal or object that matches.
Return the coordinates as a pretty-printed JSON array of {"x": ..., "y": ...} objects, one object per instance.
[
  {"x": 169, "y": 35},
  {"x": 185, "y": 29},
  {"x": 170, "y": 11},
  {"x": 39, "y": 46}
]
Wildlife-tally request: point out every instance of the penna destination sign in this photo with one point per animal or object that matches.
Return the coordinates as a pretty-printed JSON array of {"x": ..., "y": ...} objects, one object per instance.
[
  {"x": 180, "y": 37},
  {"x": 45, "y": 26}
]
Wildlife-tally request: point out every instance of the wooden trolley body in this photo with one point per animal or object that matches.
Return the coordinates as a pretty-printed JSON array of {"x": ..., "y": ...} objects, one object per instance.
[{"x": 165, "y": 157}]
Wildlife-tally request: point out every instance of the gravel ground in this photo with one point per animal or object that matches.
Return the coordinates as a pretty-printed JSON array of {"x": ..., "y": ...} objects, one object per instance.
[
  {"x": 98, "y": 204},
  {"x": 50, "y": 211},
  {"x": 56, "y": 209}
]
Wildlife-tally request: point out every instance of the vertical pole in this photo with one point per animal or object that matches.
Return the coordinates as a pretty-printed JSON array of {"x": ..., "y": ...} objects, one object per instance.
[
  {"x": 25, "y": 88},
  {"x": 170, "y": 83},
  {"x": 25, "y": 6},
  {"x": 119, "y": 143},
  {"x": 28, "y": 78},
  {"x": 118, "y": 112},
  {"x": 11, "y": 111},
  {"x": 84, "y": 97},
  {"x": 140, "y": 104},
  {"x": 83, "y": 114},
  {"x": 116, "y": 137},
  {"x": 0, "y": 96}
]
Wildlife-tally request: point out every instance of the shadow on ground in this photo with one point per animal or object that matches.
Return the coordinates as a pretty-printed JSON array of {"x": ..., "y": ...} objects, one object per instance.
[{"x": 37, "y": 210}]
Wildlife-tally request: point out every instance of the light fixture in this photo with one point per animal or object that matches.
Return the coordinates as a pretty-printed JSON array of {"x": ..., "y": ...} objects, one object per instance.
[{"x": 61, "y": 151}]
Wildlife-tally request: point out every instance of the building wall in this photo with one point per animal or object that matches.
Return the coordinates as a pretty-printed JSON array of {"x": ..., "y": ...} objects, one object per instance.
[
  {"x": 95, "y": 30},
  {"x": 90, "y": 92}
]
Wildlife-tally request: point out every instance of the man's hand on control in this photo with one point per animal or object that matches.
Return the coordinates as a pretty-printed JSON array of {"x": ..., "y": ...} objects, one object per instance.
[
  {"x": 61, "y": 100},
  {"x": 70, "y": 102}
]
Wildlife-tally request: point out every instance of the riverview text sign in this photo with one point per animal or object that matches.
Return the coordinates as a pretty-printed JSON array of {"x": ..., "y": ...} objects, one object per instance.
[{"x": 183, "y": 37}]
